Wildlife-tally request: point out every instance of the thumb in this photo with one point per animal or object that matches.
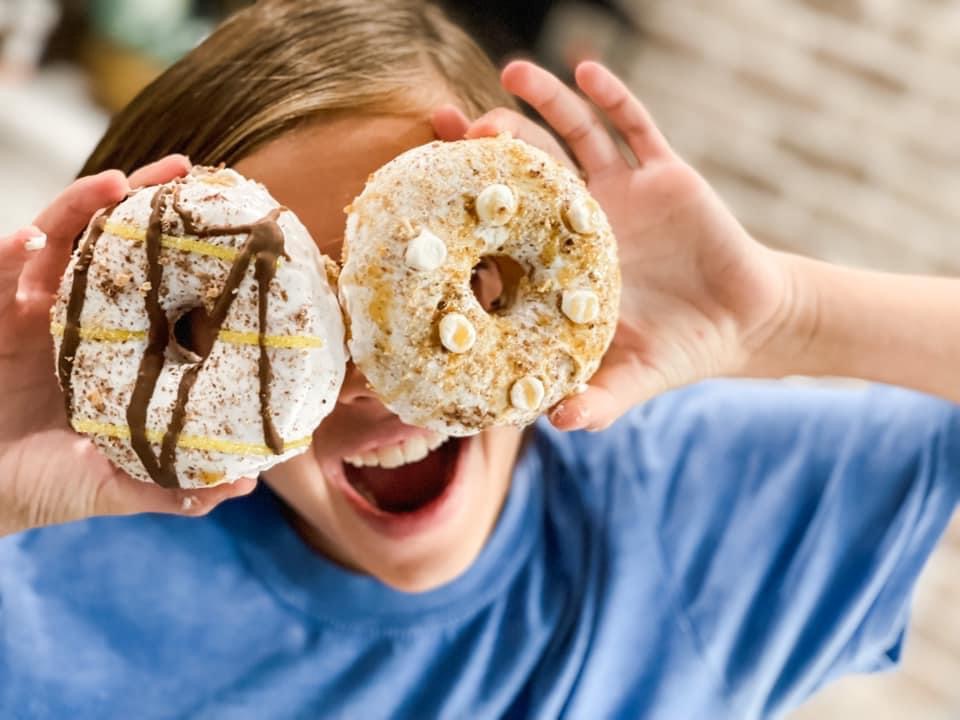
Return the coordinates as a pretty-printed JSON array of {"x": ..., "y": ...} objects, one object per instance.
[
  {"x": 501, "y": 120},
  {"x": 612, "y": 391},
  {"x": 120, "y": 494},
  {"x": 449, "y": 123}
]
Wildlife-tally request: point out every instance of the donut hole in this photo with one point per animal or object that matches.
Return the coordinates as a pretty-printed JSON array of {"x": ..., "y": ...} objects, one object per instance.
[
  {"x": 193, "y": 335},
  {"x": 495, "y": 280}
]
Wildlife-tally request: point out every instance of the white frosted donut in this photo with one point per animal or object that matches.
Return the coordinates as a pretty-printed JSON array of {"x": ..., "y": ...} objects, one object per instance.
[
  {"x": 416, "y": 330},
  {"x": 164, "y": 290}
]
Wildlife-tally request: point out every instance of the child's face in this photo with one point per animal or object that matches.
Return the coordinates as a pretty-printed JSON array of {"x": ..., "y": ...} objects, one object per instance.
[{"x": 316, "y": 172}]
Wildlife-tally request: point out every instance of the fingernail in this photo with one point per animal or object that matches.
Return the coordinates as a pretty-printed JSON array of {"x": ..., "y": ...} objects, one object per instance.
[
  {"x": 577, "y": 422},
  {"x": 556, "y": 417},
  {"x": 188, "y": 503},
  {"x": 36, "y": 241},
  {"x": 568, "y": 419}
]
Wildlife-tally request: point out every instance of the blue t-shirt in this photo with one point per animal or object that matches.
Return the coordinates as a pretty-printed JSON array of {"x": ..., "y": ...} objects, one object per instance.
[{"x": 721, "y": 552}]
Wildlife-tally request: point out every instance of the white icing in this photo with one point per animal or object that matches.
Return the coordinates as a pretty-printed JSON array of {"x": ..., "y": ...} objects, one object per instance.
[
  {"x": 224, "y": 402},
  {"x": 493, "y": 237},
  {"x": 395, "y": 336},
  {"x": 223, "y": 176}
]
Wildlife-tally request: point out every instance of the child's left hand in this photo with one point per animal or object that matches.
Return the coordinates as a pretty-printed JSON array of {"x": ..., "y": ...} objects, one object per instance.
[{"x": 700, "y": 296}]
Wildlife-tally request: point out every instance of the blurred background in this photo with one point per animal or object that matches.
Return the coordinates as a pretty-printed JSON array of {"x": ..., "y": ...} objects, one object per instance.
[{"x": 830, "y": 127}]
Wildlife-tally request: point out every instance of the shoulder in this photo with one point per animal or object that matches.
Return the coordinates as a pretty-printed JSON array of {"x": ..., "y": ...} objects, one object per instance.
[
  {"x": 139, "y": 571},
  {"x": 725, "y": 437},
  {"x": 724, "y": 408}
]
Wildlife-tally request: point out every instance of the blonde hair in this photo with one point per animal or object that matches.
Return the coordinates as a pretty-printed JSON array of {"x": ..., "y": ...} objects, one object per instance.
[{"x": 281, "y": 63}]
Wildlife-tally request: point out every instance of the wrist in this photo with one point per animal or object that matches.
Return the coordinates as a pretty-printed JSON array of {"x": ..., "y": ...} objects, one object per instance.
[
  {"x": 786, "y": 342},
  {"x": 12, "y": 518}
]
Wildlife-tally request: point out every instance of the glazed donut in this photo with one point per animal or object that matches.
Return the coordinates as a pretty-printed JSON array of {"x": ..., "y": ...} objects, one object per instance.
[
  {"x": 416, "y": 330},
  {"x": 197, "y": 336}
]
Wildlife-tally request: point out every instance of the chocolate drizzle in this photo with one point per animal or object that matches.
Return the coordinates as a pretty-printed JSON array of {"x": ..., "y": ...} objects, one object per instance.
[
  {"x": 151, "y": 364},
  {"x": 78, "y": 294},
  {"x": 263, "y": 247}
]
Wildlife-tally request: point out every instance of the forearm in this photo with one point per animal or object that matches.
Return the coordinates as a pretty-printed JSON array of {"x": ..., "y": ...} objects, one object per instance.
[{"x": 897, "y": 329}]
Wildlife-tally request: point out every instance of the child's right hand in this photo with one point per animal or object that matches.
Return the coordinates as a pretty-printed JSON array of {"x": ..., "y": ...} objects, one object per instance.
[
  {"x": 700, "y": 296},
  {"x": 48, "y": 473}
]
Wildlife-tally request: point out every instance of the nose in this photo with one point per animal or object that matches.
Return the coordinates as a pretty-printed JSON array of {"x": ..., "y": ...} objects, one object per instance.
[{"x": 356, "y": 390}]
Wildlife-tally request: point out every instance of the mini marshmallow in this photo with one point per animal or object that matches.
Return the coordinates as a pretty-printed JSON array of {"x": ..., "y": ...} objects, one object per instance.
[
  {"x": 496, "y": 204},
  {"x": 527, "y": 393},
  {"x": 426, "y": 251},
  {"x": 457, "y": 333},
  {"x": 581, "y": 306},
  {"x": 580, "y": 216}
]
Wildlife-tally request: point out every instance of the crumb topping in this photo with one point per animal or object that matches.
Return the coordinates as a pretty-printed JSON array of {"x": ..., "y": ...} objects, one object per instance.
[{"x": 397, "y": 312}]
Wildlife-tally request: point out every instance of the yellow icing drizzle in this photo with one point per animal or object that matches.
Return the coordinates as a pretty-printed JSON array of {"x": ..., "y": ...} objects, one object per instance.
[
  {"x": 102, "y": 334},
  {"x": 193, "y": 442},
  {"x": 186, "y": 243},
  {"x": 232, "y": 337},
  {"x": 236, "y": 337}
]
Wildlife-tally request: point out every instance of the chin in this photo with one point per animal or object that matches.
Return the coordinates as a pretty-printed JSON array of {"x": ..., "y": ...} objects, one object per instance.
[
  {"x": 426, "y": 574},
  {"x": 404, "y": 505}
]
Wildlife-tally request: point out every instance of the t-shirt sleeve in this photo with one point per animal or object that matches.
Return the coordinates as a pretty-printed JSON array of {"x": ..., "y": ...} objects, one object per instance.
[{"x": 794, "y": 522}]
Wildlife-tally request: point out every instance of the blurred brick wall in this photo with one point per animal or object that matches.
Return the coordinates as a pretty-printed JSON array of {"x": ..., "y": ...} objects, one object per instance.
[{"x": 832, "y": 127}]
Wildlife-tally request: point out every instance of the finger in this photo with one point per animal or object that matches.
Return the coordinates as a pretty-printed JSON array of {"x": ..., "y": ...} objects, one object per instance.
[
  {"x": 66, "y": 218},
  {"x": 625, "y": 111},
  {"x": 161, "y": 171},
  {"x": 15, "y": 252},
  {"x": 449, "y": 123},
  {"x": 567, "y": 113},
  {"x": 504, "y": 120},
  {"x": 612, "y": 391},
  {"x": 69, "y": 213},
  {"x": 122, "y": 495}
]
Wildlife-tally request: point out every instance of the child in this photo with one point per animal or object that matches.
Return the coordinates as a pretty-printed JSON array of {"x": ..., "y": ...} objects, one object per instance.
[{"x": 721, "y": 551}]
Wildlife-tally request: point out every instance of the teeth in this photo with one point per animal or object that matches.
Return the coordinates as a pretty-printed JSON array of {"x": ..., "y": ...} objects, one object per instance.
[
  {"x": 414, "y": 449},
  {"x": 391, "y": 457},
  {"x": 409, "y": 451}
]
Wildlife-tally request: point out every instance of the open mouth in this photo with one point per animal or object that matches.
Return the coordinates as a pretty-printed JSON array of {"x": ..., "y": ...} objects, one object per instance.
[{"x": 404, "y": 478}]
